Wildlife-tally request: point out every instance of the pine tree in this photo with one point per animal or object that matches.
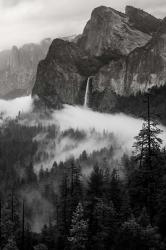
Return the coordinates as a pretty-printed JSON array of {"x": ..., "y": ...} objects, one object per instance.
[
  {"x": 106, "y": 226},
  {"x": 78, "y": 232},
  {"x": 47, "y": 236},
  {"x": 144, "y": 219},
  {"x": 161, "y": 216},
  {"x": 125, "y": 210},
  {"x": 0, "y": 221},
  {"x": 96, "y": 183},
  {"x": 115, "y": 190},
  {"x": 130, "y": 236},
  {"x": 11, "y": 244},
  {"x": 40, "y": 247},
  {"x": 95, "y": 192},
  {"x": 63, "y": 213},
  {"x": 75, "y": 188},
  {"x": 145, "y": 180},
  {"x": 70, "y": 196},
  {"x": 148, "y": 143},
  {"x": 31, "y": 176},
  {"x": 10, "y": 223}
]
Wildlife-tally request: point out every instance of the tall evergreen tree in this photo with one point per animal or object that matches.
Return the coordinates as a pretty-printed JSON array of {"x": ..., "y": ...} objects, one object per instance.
[
  {"x": 144, "y": 219},
  {"x": 48, "y": 236},
  {"x": 115, "y": 190},
  {"x": 78, "y": 233},
  {"x": 144, "y": 180},
  {"x": 148, "y": 143},
  {"x": 161, "y": 205},
  {"x": 96, "y": 183},
  {"x": 125, "y": 210},
  {"x": 133, "y": 236},
  {"x": 75, "y": 189},
  {"x": 11, "y": 244},
  {"x": 40, "y": 247},
  {"x": 0, "y": 221},
  {"x": 95, "y": 192},
  {"x": 63, "y": 212},
  {"x": 106, "y": 225},
  {"x": 10, "y": 227}
]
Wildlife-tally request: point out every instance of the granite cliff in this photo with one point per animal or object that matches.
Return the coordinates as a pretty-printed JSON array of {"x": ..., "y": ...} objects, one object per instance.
[
  {"x": 143, "y": 69},
  {"x": 108, "y": 37},
  {"x": 142, "y": 20},
  {"x": 125, "y": 53},
  {"x": 18, "y": 68},
  {"x": 63, "y": 73},
  {"x": 110, "y": 33}
]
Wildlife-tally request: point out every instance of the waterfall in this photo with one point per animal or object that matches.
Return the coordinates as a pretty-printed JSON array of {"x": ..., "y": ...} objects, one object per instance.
[{"x": 86, "y": 98}]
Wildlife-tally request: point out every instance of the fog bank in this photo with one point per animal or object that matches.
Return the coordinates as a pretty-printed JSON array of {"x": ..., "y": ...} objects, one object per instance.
[
  {"x": 11, "y": 108},
  {"x": 101, "y": 130},
  {"x": 122, "y": 126}
]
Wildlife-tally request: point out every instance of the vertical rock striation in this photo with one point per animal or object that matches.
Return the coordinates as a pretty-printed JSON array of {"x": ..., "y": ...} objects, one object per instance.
[
  {"x": 18, "y": 68},
  {"x": 109, "y": 33}
]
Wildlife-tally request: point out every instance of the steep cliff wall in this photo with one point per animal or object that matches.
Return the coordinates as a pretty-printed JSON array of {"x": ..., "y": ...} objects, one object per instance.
[
  {"x": 110, "y": 33},
  {"x": 63, "y": 72},
  {"x": 123, "y": 56},
  {"x": 142, "y": 20},
  {"x": 18, "y": 68},
  {"x": 142, "y": 69}
]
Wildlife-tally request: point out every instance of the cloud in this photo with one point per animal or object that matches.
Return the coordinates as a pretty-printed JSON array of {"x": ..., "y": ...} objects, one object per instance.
[
  {"x": 99, "y": 130},
  {"x": 23, "y": 21},
  {"x": 122, "y": 126},
  {"x": 41, "y": 209},
  {"x": 10, "y": 3},
  {"x": 13, "y": 107}
]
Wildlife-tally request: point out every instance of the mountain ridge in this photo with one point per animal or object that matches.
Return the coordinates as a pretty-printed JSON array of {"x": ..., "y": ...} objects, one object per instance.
[
  {"x": 110, "y": 31},
  {"x": 18, "y": 67},
  {"x": 108, "y": 34},
  {"x": 124, "y": 52}
]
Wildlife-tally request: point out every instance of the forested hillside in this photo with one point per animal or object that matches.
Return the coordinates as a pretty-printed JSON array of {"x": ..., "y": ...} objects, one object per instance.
[{"x": 92, "y": 202}]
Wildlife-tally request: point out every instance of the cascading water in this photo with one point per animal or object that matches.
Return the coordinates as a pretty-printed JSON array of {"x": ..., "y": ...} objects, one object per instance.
[{"x": 86, "y": 98}]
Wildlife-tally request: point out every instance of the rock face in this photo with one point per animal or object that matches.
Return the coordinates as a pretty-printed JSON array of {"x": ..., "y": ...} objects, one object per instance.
[
  {"x": 18, "y": 68},
  {"x": 141, "y": 70},
  {"x": 126, "y": 54},
  {"x": 63, "y": 72},
  {"x": 110, "y": 33},
  {"x": 142, "y": 20}
]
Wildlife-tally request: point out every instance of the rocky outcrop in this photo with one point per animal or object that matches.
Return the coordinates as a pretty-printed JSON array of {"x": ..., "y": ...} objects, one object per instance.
[
  {"x": 63, "y": 72},
  {"x": 109, "y": 33},
  {"x": 18, "y": 68},
  {"x": 141, "y": 70},
  {"x": 142, "y": 20},
  {"x": 123, "y": 56}
]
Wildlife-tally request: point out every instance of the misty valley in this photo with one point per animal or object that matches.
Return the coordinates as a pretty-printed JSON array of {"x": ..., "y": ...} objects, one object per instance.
[
  {"x": 76, "y": 177},
  {"x": 83, "y": 130}
]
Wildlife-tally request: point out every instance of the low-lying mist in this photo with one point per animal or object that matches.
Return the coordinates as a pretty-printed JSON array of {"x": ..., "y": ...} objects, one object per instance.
[
  {"x": 122, "y": 126},
  {"x": 99, "y": 130},
  {"x": 11, "y": 108}
]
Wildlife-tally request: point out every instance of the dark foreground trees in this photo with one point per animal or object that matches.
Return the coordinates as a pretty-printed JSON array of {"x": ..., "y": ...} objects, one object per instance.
[
  {"x": 103, "y": 210},
  {"x": 79, "y": 230},
  {"x": 106, "y": 216}
]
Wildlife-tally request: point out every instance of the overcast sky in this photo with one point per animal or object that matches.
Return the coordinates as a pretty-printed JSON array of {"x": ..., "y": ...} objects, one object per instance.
[{"x": 23, "y": 21}]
